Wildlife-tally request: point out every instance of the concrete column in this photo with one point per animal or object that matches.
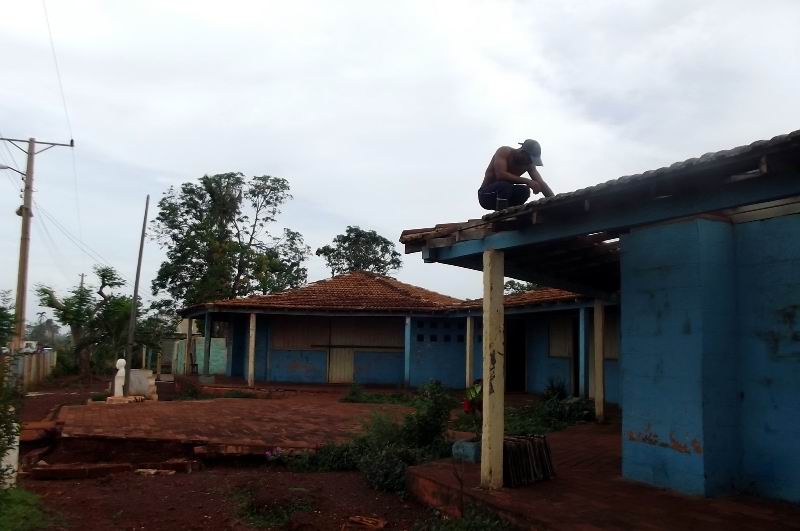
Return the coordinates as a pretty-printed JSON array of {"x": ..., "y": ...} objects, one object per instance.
[
  {"x": 470, "y": 350},
  {"x": 583, "y": 352},
  {"x": 207, "y": 345},
  {"x": 493, "y": 371},
  {"x": 679, "y": 335},
  {"x": 187, "y": 352},
  {"x": 407, "y": 354},
  {"x": 251, "y": 352},
  {"x": 599, "y": 357}
]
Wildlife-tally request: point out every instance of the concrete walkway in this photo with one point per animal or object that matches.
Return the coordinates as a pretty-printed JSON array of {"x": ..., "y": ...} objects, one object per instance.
[{"x": 589, "y": 493}]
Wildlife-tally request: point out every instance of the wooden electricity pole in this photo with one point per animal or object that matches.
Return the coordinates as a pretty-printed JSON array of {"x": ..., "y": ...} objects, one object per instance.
[
  {"x": 132, "y": 322},
  {"x": 26, "y": 212}
]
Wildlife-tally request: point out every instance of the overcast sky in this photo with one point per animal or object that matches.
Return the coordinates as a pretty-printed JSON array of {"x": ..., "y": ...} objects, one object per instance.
[{"x": 380, "y": 114}]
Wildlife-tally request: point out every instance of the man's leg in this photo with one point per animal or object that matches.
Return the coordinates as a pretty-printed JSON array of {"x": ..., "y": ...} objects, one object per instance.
[
  {"x": 488, "y": 195},
  {"x": 519, "y": 194}
]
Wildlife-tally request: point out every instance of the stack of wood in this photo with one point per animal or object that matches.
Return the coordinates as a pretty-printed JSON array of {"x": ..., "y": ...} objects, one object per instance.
[{"x": 526, "y": 460}]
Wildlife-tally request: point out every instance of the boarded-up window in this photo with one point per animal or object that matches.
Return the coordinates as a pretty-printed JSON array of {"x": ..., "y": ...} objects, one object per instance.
[
  {"x": 561, "y": 342},
  {"x": 298, "y": 332},
  {"x": 374, "y": 332}
]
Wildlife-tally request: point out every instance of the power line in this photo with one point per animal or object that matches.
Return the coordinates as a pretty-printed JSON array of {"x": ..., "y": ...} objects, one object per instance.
[
  {"x": 10, "y": 154},
  {"x": 58, "y": 70},
  {"x": 66, "y": 115},
  {"x": 52, "y": 247},
  {"x": 82, "y": 246}
]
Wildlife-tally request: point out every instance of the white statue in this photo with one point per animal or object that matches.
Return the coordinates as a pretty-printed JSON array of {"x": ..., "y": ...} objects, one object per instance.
[{"x": 119, "y": 379}]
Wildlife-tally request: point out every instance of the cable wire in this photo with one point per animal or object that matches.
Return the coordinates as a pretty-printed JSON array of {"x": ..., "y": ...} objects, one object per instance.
[
  {"x": 82, "y": 246},
  {"x": 66, "y": 115},
  {"x": 10, "y": 154}
]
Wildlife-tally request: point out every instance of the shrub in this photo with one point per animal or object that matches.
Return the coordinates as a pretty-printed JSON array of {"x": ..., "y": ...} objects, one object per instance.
[
  {"x": 236, "y": 393},
  {"x": 98, "y": 397},
  {"x": 428, "y": 423},
  {"x": 9, "y": 406},
  {"x": 384, "y": 467},
  {"x": 269, "y": 512},
  {"x": 556, "y": 388}
]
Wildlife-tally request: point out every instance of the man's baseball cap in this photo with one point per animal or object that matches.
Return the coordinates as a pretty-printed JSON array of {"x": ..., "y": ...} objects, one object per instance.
[{"x": 534, "y": 151}]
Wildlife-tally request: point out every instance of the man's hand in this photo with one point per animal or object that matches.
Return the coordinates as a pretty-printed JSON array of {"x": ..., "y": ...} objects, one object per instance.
[{"x": 534, "y": 186}]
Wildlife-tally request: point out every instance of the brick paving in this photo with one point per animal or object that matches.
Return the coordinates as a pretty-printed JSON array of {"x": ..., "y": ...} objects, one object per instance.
[
  {"x": 589, "y": 493},
  {"x": 302, "y": 420}
]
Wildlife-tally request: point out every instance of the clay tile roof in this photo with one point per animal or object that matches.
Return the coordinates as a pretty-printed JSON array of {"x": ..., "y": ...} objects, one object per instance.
[
  {"x": 529, "y": 298},
  {"x": 358, "y": 291}
]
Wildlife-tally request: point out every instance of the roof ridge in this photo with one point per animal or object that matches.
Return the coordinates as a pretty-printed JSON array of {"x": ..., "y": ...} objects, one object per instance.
[{"x": 412, "y": 291}]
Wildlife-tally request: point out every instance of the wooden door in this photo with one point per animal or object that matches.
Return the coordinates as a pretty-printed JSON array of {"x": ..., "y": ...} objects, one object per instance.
[{"x": 340, "y": 365}]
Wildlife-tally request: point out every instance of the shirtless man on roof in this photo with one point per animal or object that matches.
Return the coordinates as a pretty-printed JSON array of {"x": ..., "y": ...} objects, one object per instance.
[{"x": 503, "y": 185}]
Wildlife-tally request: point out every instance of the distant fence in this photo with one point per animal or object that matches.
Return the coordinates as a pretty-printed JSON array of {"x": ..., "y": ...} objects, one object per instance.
[{"x": 31, "y": 369}]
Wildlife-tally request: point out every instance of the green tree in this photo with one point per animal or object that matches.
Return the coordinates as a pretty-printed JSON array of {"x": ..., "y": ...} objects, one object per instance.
[
  {"x": 8, "y": 396},
  {"x": 360, "y": 250},
  {"x": 512, "y": 287},
  {"x": 217, "y": 240},
  {"x": 97, "y": 320}
]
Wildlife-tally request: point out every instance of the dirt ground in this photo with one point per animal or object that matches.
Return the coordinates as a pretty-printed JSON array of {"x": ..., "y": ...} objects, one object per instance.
[
  {"x": 212, "y": 498},
  {"x": 43, "y": 400}
]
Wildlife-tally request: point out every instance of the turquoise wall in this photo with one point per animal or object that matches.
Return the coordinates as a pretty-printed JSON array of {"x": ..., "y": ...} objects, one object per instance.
[{"x": 711, "y": 357}]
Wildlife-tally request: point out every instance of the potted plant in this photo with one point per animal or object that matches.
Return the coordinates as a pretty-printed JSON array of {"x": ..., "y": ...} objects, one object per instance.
[{"x": 470, "y": 450}]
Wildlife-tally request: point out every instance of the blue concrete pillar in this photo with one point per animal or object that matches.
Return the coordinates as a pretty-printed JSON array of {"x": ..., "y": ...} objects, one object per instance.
[
  {"x": 679, "y": 361},
  {"x": 407, "y": 354},
  {"x": 583, "y": 352}
]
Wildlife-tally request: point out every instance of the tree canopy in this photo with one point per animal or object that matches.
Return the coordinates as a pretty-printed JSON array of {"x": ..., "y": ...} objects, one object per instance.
[
  {"x": 98, "y": 320},
  {"x": 360, "y": 250},
  {"x": 515, "y": 286},
  {"x": 6, "y": 318},
  {"x": 218, "y": 244}
]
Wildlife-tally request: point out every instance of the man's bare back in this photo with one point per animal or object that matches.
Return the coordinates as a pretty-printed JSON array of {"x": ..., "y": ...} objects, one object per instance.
[{"x": 503, "y": 178}]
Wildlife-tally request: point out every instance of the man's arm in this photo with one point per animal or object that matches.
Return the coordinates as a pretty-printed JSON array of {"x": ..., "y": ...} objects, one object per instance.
[
  {"x": 535, "y": 176},
  {"x": 500, "y": 166}
]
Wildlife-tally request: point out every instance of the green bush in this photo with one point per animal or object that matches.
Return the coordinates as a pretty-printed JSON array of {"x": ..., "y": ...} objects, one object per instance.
[
  {"x": 384, "y": 467},
  {"x": 427, "y": 425},
  {"x": 98, "y": 397},
  {"x": 556, "y": 388},
  {"x": 272, "y": 512}
]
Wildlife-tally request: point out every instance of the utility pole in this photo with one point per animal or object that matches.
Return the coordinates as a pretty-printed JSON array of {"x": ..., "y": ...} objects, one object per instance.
[
  {"x": 132, "y": 323},
  {"x": 25, "y": 237}
]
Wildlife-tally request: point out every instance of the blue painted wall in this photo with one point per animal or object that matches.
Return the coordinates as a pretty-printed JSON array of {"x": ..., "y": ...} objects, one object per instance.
[
  {"x": 665, "y": 294},
  {"x": 540, "y": 366},
  {"x": 613, "y": 385},
  {"x": 239, "y": 348},
  {"x": 711, "y": 357},
  {"x": 384, "y": 368},
  {"x": 299, "y": 366},
  {"x": 262, "y": 343},
  {"x": 768, "y": 260},
  {"x": 433, "y": 356}
]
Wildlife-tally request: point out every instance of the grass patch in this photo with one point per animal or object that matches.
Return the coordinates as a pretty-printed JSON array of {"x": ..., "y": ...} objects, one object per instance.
[
  {"x": 270, "y": 512},
  {"x": 22, "y": 511},
  {"x": 474, "y": 519},
  {"x": 359, "y": 396}
]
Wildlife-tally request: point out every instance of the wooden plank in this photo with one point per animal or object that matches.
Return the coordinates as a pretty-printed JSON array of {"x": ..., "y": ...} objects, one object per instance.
[
  {"x": 493, "y": 371},
  {"x": 470, "y": 350},
  {"x": 251, "y": 352},
  {"x": 599, "y": 387}
]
